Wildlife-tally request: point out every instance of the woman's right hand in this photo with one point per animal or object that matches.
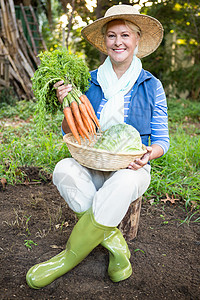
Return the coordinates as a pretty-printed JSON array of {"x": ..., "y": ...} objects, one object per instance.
[{"x": 62, "y": 90}]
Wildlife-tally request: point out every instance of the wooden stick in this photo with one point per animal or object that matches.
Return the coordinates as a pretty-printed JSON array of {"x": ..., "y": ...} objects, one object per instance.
[
  {"x": 5, "y": 20},
  {"x": 12, "y": 9},
  {"x": 36, "y": 59},
  {"x": 25, "y": 53},
  {"x": 14, "y": 67},
  {"x": 28, "y": 28},
  {"x": 11, "y": 29}
]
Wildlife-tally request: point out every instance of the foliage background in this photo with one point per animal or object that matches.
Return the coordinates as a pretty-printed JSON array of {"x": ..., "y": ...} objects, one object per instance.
[{"x": 176, "y": 62}]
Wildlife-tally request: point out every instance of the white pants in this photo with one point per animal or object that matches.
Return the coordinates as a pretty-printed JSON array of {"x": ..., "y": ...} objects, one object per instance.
[{"x": 108, "y": 193}]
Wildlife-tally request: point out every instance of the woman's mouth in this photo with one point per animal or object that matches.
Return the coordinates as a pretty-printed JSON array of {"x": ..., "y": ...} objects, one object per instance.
[{"x": 119, "y": 50}]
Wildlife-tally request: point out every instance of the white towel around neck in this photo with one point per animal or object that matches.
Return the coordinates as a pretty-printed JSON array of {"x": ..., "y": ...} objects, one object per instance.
[{"x": 115, "y": 89}]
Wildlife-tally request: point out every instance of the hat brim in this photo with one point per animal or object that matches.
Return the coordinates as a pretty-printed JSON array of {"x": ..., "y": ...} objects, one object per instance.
[{"x": 151, "y": 32}]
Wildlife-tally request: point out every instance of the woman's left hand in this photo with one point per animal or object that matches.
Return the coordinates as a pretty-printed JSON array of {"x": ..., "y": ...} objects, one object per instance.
[{"x": 141, "y": 162}]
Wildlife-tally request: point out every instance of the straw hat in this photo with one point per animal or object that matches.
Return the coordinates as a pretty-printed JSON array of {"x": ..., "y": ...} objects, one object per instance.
[{"x": 151, "y": 29}]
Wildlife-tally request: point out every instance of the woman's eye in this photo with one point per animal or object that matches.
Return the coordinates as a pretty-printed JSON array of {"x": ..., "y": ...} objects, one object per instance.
[
  {"x": 125, "y": 35},
  {"x": 111, "y": 36}
]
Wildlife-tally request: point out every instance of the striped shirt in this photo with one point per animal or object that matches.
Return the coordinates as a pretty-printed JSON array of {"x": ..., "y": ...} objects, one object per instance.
[{"x": 159, "y": 122}]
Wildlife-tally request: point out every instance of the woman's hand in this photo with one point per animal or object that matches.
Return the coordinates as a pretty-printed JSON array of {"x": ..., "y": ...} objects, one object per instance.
[
  {"x": 62, "y": 90},
  {"x": 141, "y": 162}
]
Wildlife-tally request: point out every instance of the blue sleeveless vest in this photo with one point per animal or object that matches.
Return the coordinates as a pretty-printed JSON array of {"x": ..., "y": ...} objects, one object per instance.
[{"x": 141, "y": 105}]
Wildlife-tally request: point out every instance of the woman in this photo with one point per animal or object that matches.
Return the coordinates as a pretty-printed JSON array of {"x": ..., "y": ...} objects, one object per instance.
[{"x": 120, "y": 92}]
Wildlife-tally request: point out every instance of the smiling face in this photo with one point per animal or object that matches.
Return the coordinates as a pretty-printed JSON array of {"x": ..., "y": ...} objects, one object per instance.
[{"x": 120, "y": 42}]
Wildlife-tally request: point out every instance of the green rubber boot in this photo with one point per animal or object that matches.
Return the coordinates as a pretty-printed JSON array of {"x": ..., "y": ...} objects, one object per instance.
[
  {"x": 119, "y": 265},
  {"x": 85, "y": 236}
]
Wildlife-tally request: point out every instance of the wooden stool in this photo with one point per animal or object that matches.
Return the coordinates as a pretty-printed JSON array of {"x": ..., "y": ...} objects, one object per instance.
[{"x": 129, "y": 224}]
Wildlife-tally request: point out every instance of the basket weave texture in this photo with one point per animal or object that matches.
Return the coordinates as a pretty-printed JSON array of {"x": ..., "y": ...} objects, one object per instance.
[{"x": 98, "y": 159}]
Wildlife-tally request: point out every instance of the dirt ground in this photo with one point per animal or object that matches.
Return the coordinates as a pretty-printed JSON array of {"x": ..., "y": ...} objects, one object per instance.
[{"x": 165, "y": 254}]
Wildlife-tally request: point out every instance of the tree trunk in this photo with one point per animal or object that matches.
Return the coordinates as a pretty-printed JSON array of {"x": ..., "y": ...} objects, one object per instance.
[
  {"x": 69, "y": 27},
  {"x": 49, "y": 15}
]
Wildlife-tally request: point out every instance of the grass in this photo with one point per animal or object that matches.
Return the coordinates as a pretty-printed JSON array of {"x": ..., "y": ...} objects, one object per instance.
[
  {"x": 181, "y": 110},
  {"x": 22, "y": 144},
  {"x": 176, "y": 174}
]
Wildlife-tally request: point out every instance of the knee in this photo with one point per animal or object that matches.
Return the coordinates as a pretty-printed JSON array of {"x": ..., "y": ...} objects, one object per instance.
[
  {"x": 135, "y": 181},
  {"x": 62, "y": 169},
  {"x": 126, "y": 178},
  {"x": 64, "y": 165}
]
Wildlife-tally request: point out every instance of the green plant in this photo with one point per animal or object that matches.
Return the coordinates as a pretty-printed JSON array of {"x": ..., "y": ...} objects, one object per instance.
[
  {"x": 61, "y": 226},
  {"x": 136, "y": 250},
  {"x": 189, "y": 220},
  {"x": 177, "y": 173},
  {"x": 164, "y": 221},
  {"x": 177, "y": 61},
  {"x": 27, "y": 221},
  {"x": 183, "y": 110},
  {"x": 29, "y": 243},
  {"x": 20, "y": 110},
  {"x": 7, "y": 96},
  {"x": 22, "y": 145}
]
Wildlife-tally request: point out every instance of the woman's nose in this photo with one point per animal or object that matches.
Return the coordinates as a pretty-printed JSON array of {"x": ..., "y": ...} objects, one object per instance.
[{"x": 118, "y": 41}]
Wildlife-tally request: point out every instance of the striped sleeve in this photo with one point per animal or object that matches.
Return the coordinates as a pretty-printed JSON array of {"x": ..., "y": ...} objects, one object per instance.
[
  {"x": 159, "y": 122},
  {"x": 103, "y": 102},
  {"x": 127, "y": 100}
]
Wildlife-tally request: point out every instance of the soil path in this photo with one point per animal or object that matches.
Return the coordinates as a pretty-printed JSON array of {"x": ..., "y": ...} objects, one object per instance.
[{"x": 165, "y": 254}]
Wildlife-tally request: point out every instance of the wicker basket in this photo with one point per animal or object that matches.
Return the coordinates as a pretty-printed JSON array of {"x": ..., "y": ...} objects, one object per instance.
[{"x": 98, "y": 159}]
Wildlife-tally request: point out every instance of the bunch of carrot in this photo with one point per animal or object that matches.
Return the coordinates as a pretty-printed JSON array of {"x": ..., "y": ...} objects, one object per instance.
[
  {"x": 58, "y": 65},
  {"x": 80, "y": 115}
]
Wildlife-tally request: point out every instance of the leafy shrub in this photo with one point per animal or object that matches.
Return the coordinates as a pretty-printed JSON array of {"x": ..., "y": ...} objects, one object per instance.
[
  {"x": 180, "y": 110},
  {"x": 7, "y": 96}
]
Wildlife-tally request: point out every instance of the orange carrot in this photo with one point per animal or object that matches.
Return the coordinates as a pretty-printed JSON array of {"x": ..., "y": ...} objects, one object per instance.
[
  {"x": 84, "y": 99},
  {"x": 79, "y": 130},
  {"x": 94, "y": 127},
  {"x": 77, "y": 115},
  {"x": 86, "y": 123},
  {"x": 70, "y": 120},
  {"x": 86, "y": 118}
]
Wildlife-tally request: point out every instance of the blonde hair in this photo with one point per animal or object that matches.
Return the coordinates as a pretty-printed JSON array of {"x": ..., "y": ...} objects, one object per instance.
[
  {"x": 129, "y": 24},
  {"x": 133, "y": 27}
]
